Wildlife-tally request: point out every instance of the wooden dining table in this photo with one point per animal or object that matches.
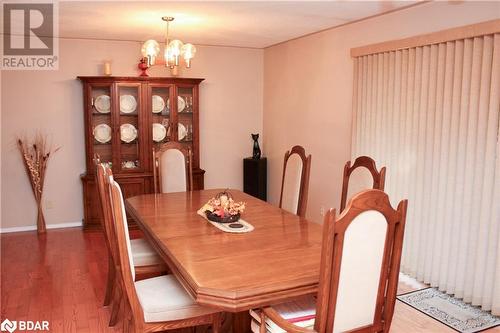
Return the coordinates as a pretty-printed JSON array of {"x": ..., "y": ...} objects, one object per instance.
[{"x": 277, "y": 261}]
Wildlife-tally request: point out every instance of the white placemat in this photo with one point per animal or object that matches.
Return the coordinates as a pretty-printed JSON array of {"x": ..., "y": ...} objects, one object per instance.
[{"x": 247, "y": 227}]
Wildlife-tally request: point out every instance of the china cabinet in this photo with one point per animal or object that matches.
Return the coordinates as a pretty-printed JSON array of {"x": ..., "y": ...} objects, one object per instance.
[{"x": 125, "y": 119}]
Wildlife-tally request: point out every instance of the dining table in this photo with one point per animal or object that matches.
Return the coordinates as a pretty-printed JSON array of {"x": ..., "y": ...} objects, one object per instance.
[{"x": 275, "y": 262}]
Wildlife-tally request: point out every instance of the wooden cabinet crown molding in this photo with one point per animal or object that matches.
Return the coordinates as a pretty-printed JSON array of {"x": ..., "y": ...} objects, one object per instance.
[{"x": 140, "y": 79}]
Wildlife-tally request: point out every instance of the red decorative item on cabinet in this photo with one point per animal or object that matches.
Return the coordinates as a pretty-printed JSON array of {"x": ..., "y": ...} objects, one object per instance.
[{"x": 143, "y": 66}]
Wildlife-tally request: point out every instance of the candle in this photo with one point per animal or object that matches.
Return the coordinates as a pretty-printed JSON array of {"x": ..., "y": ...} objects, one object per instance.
[
  {"x": 107, "y": 68},
  {"x": 174, "y": 71},
  {"x": 223, "y": 200}
]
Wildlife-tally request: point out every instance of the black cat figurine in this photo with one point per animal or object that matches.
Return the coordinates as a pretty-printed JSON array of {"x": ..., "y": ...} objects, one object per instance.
[{"x": 256, "y": 148}]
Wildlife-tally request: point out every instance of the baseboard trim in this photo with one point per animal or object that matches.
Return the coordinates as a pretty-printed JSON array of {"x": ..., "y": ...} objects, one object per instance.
[
  {"x": 412, "y": 282},
  {"x": 33, "y": 227}
]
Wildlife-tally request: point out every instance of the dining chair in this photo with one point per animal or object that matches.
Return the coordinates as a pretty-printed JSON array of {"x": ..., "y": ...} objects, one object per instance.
[
  {"x": 377, "y": 177},
  {"x": 360, "y": 259},
  {"x": 173, "y": 168},
  {"x": 295, "y": 181},
  {"x": 158, "y": 303},
  {"x": 146, "y": 261}
]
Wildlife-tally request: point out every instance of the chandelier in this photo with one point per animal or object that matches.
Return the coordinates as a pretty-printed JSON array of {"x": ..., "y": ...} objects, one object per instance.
[{"x": 173, "y": 52}]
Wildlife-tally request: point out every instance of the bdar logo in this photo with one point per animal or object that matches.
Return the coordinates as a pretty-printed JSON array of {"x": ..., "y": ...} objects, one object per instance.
[
  {"x": 24, "y": 325},
  {"x": 8, "y": 325}
]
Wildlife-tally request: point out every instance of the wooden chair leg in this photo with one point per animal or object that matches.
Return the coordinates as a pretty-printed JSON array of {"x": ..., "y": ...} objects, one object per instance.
[
  {"x": 262, "y": 328},
  {"x": 135, "y": 325},
  {"x": 127, "y": 325},
  {"x": 216, "y": 323},
  {"x": 110, "y": 284},
  {"x": 227, "y": 322},
  {"x": 117, "y": 306}
]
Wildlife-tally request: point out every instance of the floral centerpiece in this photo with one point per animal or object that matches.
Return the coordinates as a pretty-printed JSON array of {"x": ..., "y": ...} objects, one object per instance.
[{"x": 222, "y": 208}]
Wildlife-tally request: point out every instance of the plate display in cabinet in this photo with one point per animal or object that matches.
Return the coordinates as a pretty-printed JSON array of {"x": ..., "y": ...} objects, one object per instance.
[
  {"x": 128, "y": 103},
  {"x": 181, "y": 103},
  {"x": 159, "y": 132},
  {"x": 128, "y": 133},
  {"x": 130, "y": 164},
  {"x": 158, "y": 103},
  {"x": 181, "y": 132},
  {"x": 124, "y": 119},
  {"x": 102, "y": 133},
  {"x": 102, "y": 104}
]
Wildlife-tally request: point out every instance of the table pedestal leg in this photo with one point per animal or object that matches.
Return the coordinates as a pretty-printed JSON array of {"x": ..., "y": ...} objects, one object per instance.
[{"x": 241, "y": 322}]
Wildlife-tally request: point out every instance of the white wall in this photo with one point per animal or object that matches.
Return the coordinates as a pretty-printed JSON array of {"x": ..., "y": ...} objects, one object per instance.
[
  {"x": 307, "y": 86},
  {"x": 51, "y": 101},
  {"x": 308, "y": 90}
]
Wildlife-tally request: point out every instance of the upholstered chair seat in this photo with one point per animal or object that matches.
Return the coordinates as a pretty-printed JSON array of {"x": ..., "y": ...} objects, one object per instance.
[
  {"x": 359, "y": 270},
  {"x": 164, "y": 299},
  {"x": 155, "y": 304},
  {"x": 173, "y": 168},
  {"x": 295, "y": 181},
  {"x": 143, "y": 254},
  {"x": 301, "y": 312},
  {"x": 144, "y": 257},
  {"x": 359, "y": 176}
]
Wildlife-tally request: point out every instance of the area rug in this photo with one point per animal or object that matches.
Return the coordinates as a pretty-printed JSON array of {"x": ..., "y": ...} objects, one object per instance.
[{"x": 450, "y": 311}]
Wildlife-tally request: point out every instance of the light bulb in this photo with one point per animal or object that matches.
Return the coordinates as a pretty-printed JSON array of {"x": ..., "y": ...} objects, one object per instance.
[
  {"x": 150, "y": 49},
  {"x": 188, "y": 51},
  {"x": 174, "y": 50},
  {"x": 169, "y": 58}
]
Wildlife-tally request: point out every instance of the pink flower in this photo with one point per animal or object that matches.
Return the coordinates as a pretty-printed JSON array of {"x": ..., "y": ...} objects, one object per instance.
[{"x": 220, "y": 212}]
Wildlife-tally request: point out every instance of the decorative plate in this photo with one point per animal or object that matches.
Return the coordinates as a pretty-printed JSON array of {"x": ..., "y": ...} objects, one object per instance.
[
  {"x": 102, "y": 104},
  {"x": 181, "y": 131},
  {"x": 158, "y": 104},
  {"x": 129, "y": 164},
  {"x": 128, "y": 103},
  {"x": 181, "y": 104},
  {"x": 159, "y": 132},
  {"x": 102, "y": 133},
  {"x": 128, "y": 133}
]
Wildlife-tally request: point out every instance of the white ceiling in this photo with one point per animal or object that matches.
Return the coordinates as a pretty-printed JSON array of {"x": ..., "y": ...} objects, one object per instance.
[{"x": 256, "y": 24}]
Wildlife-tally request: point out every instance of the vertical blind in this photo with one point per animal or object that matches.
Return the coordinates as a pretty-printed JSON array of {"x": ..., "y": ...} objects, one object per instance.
[{"x": 430, "y": 114}]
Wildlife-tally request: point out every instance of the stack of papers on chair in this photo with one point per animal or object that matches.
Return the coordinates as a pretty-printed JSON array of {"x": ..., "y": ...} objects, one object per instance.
[{"x": 300, "y": 312}]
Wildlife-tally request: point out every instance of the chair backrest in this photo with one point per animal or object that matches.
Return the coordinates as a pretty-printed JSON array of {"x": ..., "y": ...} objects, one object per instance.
[
  {"x": 125, "y": 263},
  {"x": 378, "y": 177},
  {"x": 295, "y": 181},
  {"x": 103, "y": 173},
  {"x": 173, "y": 170},
  {"x": 360, "y": 262}
]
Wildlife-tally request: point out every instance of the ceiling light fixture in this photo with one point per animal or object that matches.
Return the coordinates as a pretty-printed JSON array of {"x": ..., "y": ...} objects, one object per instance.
[{"x": 173, "y": 52}]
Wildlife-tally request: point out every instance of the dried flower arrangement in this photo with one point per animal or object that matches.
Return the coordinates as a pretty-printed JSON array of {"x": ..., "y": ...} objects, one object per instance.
[
  {"x": 222, "y": 208},
  {"x": 35, "y": 157}
]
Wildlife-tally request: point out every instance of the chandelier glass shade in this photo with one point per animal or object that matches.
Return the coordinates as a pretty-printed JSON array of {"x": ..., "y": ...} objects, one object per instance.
[
  {"x": 174, "y": 50},
  {"x": 150, "y": 49}
]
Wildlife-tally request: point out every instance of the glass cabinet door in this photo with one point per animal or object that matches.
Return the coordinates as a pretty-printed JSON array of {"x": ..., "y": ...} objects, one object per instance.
[
  {"x": 161, "y": 115},
  {"x": 184, "y": 119},
  {"x": 128, "y": 110},
  {"x": 101, "y": 122}
]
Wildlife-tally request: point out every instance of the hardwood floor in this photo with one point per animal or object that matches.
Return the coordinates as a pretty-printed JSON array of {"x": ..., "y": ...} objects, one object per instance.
[
  {"x": 60, "y": 277},
  {"x": 57, "y": 277}
]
